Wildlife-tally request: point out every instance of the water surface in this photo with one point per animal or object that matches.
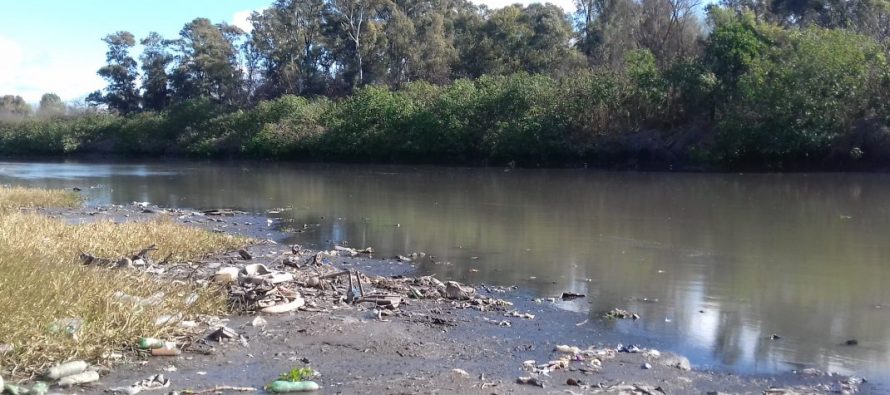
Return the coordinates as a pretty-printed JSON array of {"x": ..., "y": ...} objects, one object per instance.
[{"x": 714, "y": 263}]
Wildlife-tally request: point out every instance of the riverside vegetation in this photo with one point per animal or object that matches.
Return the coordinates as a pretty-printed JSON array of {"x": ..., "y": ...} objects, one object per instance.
[
  {"x": 620, "y": 82},
  {"x": 54, "y": 308}
]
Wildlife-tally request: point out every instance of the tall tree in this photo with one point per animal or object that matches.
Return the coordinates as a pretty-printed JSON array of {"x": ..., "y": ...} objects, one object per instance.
[
  {"x": 14, "y": 106},
  {"x": 287, "y": 37},
  {"x": 207, "y": 63},
  {"x": 534, "y": 39},
  {"x": 436, "y": 50},
  {"x": 348, "y": 21},
  {"x": 51, "y": 105},
  {"x": 121, "y": 94},
  {"x": 669, "y": 28},
  {"x": 155, "y": 58}
]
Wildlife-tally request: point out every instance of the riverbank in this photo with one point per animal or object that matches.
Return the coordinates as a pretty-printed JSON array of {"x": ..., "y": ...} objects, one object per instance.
[{"x": 418, "y": 346}]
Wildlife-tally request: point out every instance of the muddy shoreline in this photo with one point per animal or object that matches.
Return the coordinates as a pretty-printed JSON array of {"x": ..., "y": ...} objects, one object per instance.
[{"x": 417, "y": 348}]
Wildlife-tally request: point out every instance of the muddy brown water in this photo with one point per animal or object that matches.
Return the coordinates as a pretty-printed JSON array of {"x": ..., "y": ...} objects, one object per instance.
[{"x": 714, "y": 263}]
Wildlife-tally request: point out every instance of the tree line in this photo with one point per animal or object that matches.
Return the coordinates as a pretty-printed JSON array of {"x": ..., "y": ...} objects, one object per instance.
[{"x": 742, "y": 82}]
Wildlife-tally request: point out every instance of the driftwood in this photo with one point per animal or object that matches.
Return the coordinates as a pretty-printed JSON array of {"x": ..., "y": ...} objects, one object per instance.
[
  {"x": 384, "y": 300},
  {"x": 223, "y": 212},
  {"x": 219, "y": 388},
  {"x": 143, "y": 252}
]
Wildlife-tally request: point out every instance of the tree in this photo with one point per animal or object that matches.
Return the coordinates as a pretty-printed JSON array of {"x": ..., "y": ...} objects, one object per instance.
[
  {"x": 669, "y": 28},
  {"x": 436, "y": 51},
  {"x": 287, "y": 40},
  {"x": 207, "y": 64},
  {"x": 606, "y": 30},
  {"x": 534, "y": 39},
  {"x": 14, "y": 106},
  {"x": 349, "y": 22},
  {"x": 121, "y": 94},
  {"x": 156, "y": 58},
  {"x": 51, "y": 105}
]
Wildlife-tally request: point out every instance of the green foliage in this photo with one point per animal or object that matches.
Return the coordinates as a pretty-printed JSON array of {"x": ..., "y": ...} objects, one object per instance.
[
  {"x": 800, "y": 96},
  {"x": 13, "y": 107},
  {"x": 298, "y": 374},
  {"x": 51, "y": 105}
]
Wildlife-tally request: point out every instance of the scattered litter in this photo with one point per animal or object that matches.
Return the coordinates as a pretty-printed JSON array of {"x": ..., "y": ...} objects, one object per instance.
[
  {"x": 80, "y": 378},
  {"x": 455, "y": 291},
  {"x": 258, "y": 322},
  {"x": 283, "y": 387},
  {"x": 66, "y": 369},
  {"x": 165, "y": 351},
  {"x": 616, "y": 314},
  {"x": 567, "y": 349},
  {"x": 155, "y": 382},
  {"x": 517, "y": 314},
  {"x": 222, "y": 333},
  {"x": 571, "y": 295},
  {"x": 147, "y": 343}
]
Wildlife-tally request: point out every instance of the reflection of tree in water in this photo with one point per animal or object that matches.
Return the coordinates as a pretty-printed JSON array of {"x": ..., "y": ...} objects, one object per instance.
[{"x": 797, "y": 255}]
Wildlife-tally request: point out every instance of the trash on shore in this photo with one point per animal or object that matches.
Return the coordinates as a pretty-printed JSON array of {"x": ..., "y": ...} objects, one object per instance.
[
  {"x": 66, "y": 369},
  {"x": 165, "y": 351},
  {"x": 152, "y": 383},
  {"x": 571, "y": 296},
  {"x": 567, "y": 349},
  {"x": 456, "y": 291},
  {"x": 222, "y": 333},
  {"x": 284, "y": 387},
  {"x": 295, "y": 380},
  {"x": 147, "y": 343},
  {"x": 258, "y": 322},
  {"x": 620, "y": 314},
  {"x": 80, "y": 378},
  {"x": 527, "y": 316}
]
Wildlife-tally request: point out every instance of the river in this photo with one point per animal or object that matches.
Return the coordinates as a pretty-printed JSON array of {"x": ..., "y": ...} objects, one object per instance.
[{"x": 714, "y": 263}]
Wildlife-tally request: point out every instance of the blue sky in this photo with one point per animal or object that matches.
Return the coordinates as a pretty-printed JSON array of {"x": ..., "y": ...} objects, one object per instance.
[{"x": 55, "y": 45}]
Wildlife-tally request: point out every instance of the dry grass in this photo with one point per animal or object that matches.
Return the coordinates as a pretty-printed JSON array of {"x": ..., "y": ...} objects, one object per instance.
[
  {"x": 44, "y": 287},
  {"x": 14, "y": 198}
]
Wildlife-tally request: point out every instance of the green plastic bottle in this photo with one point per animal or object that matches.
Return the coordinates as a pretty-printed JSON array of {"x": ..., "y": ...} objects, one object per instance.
[
  {"x": 284, "y": 387},
  {"x": 147, "y": 343}
]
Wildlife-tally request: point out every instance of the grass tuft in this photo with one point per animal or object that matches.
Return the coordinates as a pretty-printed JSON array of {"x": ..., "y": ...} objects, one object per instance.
[
  {"x": 53, "y": 308},
  {"x": 15, "y": 198}
]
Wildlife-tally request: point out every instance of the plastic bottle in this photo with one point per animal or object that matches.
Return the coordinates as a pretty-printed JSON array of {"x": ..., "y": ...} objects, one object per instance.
[
  {"x": 66, "y": 369},
  {"x": 147, "y": 343},
  {"x": 80, "y": 378},
  {"x": 284, "y": 387}
]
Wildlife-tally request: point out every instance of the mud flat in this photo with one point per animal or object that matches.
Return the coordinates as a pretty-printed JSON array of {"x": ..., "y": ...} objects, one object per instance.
[{"x": 372, "y": 325}]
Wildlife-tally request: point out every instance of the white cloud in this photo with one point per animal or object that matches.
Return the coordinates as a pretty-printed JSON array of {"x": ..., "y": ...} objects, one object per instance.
[
  {"x": 567, "y": 5},
  {"x": 30, "y": 74},
  {"x": 242, "y": 20}
]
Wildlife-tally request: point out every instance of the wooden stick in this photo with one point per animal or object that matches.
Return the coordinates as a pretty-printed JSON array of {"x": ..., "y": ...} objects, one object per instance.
[
  {"x": 361, "y": 289},
  {"x": 219, "y": 388},
  {"x": 338, "y": 274}
]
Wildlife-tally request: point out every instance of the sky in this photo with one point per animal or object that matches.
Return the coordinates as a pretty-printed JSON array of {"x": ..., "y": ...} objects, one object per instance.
[{"x": 55, "y": 45}]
